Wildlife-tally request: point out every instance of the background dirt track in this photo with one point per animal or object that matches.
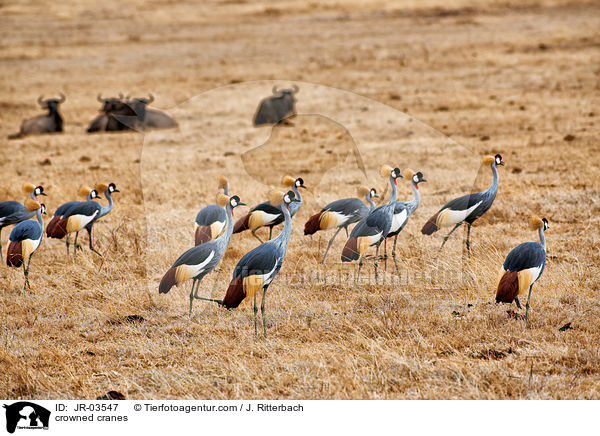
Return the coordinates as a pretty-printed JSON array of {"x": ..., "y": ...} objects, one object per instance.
[{"x": 518, "y": 78}]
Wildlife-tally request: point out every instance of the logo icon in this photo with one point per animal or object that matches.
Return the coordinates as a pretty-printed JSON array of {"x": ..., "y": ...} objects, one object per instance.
[{"x": 26, "y": 415}]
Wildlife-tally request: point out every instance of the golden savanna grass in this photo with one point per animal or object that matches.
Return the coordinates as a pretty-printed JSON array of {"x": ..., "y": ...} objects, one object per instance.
[{"x": 433, "y": 86}]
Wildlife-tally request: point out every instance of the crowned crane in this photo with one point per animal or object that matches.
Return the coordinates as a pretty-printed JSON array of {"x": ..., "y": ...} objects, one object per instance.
[
  {"x": 522, "y": 267},
  {"x": 13, "y": 212},
  {"x": 107, "y": 190},
  {"x": 340, "y": 214},
  {"x": 211, "y": 219},
  {"x": 61, "y": 210},
  {"x": 268, "y": 214},
  {"x": 200, "y": 260},
  {"x": 372, "y": 229},
  {"x": 257, "y": 268},
  {"x": 403, "y": 210},
  {"x": 466, "y": 208},
  {"x": 25, "y": 238}
]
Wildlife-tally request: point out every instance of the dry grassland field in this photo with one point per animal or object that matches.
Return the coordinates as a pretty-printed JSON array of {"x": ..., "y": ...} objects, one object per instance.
[{"x": 429, "y": 85}]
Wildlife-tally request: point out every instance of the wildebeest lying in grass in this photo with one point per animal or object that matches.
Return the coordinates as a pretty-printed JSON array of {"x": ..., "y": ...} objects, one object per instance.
[
  {"x": 276, "y": 108},
  {"x": 51, "y": 122},
  {"x": 123, "y": 113}
]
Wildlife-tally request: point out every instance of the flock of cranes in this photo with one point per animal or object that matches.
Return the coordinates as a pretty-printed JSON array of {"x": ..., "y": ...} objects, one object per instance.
[{"x": 257, "y": 269}]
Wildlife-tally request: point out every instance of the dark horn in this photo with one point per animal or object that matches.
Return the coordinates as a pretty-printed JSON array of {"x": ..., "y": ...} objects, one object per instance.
[
  {"x": 150, "y": 98},
  {"x": 99, "y": 98},
  {"x": 296, "y": 89},
  {"x": 275, "y": 89},
  {"x": 121, "y": 96},
  {"x": 62, "y": 97},
  {"x": 40, "y": 100}
]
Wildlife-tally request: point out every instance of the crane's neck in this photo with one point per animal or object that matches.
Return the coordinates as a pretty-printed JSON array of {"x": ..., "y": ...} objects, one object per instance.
[
  {"x": 226, "y": 189},
  {"x": 38, "y": 215},
  {"x": 297, "y": 192},
  {"x": 394, "y": 191},
  {"x": 32, "y": 195},
  {"x": 414, "y": 203},
  {"x": 494, "y": 186},
  {"x": 226, "y": 235},
  {"x": 542, "y": 237},
  {"x": 106, "y": 209},
  {"x": 283, "y": 238},
  {"x": 370, "y": 201}
]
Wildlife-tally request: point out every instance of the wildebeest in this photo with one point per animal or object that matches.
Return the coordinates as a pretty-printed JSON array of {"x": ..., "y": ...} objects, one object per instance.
[
  {"x": 112, "y": 109},
  {"x": 51, "y": 122},
  {"x": 276, "y": 108},
  {"x": 149, "y": 118}
]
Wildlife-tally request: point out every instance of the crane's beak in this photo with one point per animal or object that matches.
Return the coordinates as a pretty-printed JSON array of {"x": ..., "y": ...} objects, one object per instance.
[
  {"x": 375, "y": 195},
  {"x": 302, "y": 186},
  {"x": 241, "y": 204},
  {"x": 116, "y": 190},
  {"x": 423, "y": 180}
]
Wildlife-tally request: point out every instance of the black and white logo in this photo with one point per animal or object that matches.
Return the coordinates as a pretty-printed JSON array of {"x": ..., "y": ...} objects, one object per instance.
[{"x": 26, "y": 415}]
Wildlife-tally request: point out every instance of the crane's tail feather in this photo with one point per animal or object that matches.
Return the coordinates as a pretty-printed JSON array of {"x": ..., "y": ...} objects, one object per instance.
[
  {"x": 241, "y": 224},
  {"x": 508, "y": 287},
  {"x": 59, "y": 230},
  {"x": 168, "y": 281},
  {"x": 350, "y": 251},
  {"x": 235, "y": 293},
  {"x": 51, "y": 224},
  {"x": 14, "y": 255},
  {"x": 203, "y": 235},
  {"x": 430, "y": 226},
  {"x": 313, "y": 224}
]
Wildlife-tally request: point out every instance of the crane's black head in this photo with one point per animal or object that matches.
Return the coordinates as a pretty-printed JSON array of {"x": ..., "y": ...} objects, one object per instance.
[
  {"x": 112, "y": 188},
  {"x": 545, "y": 221},
  {"x": 498, "y": 160},
  {"x": 234, "y": 201},
  {"x": 299, "y": 183},
  {"x": 289, "y": 198},
  {"x": 373, "y": 193},
  {"x": 39, "y": 190},
  {"x": 396, "y": 175},
  {"x": 94, "y": 194},
  {"x": 43, "y": 209}
]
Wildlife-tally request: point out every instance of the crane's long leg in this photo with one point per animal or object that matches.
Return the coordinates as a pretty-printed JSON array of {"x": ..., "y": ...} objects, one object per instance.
[
  {"x": 394, "y": 255},
  {"x": 26, "y": 272},
  {"x": 270, "y": 232},
  {"x": 448, "y": 235},
  {"x": 347, "y": 235},
  {"x": 89, "y": 230},
  {"x": 256, "y": 236},
  {"x": 468, "y": 239},
  {"x": 527, "y": 306},
  {"x": 255, "y": 309},
  {"x": 67, "y": 242},
  {"x": 385, "y": 254},
  {"x": 192, "y": 296},
  {"x": 198, "y": 280},
  {"x": 518, "y": 302},
  {"x": 375, "y": 264},
  {"x": 75, "y": 245},
  {"x": 360, "y": 262},
  {"x": 1, "y": 255},
  {"x": 262, "y": 311},
  {"x": 331, "y": 242}
]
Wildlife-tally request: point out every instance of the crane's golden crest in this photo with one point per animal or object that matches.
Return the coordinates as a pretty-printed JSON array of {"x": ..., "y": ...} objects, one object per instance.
[
  {"x": 363, "y": 190},
  {"x": 385, "y": 170},
  {"x": 84, "y": 191},
  {"x": 101, "y": 187},
  {"x": 488, "y": 160},
  {"x": 32, "y": 205},
  {"x": 28, "y": 188},
  {"x": 288, "y": 181},
  {"x": 275, "y": 197},
  {"x": 535, "y": 222},
  {"x": 408, "y": 173},
  {"x": 222, "y": 181},
  {"x": 222, "y": 200}
]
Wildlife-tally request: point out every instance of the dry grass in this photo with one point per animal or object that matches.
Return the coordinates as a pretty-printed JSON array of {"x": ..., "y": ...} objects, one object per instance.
[{"x": 516, "y": 80}]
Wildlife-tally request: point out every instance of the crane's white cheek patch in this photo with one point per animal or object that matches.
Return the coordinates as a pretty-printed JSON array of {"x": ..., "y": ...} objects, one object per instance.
[
  {"x": 398, "y": 220},
  {"x": 78, "y": 222},
  {"x": 260, "y": 218},
  {"x": 527, "y": 277},
  {"x": 449, "y": 217},
  {"x": 332, "y": 219}
]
